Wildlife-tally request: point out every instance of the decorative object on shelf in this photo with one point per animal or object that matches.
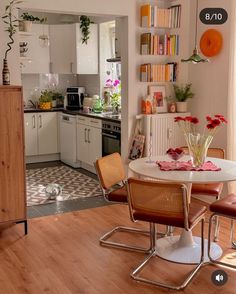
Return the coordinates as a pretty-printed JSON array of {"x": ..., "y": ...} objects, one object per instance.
[
  {"x": 211, "y": 42},
  {"x": 28, "y": 19},
  {"x": 45, "y": 100},
  {"x": 198, "y": 144},
  {"x": 171, "y": 104},
  {"x": 11, "y": 22},
  {"x": 84, "y": 26},
  {"x": 182, "y": 93},
  {"x": 23, "y": 49},
  {"x": 159, "y": 94},
  {"x": 195, "y": 57},
  {"x": 146, "y": 105}
]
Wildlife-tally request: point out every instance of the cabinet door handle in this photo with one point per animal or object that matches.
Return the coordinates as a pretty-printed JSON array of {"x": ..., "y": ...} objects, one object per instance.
[
  {"x": 88, "y": 136},
  {"x": 40, "y": 121},
  {"x": 33, "y": 121},
  {"x": 85, "y": 135},
  {"x": 71, "y": 67}
]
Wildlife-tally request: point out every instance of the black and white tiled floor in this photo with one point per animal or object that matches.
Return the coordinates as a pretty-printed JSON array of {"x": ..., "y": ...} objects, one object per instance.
[{"x": 65, "y": 206}]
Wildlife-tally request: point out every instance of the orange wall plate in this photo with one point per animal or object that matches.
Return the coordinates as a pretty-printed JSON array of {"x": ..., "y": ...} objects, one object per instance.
[{"x": 211, "y": 42}]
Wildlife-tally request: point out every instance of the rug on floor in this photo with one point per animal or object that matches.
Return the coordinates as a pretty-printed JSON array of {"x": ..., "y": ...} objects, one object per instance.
[{"x": 74, "y": 184}]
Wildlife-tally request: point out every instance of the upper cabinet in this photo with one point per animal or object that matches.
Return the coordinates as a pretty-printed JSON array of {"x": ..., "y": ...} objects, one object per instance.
[
  {"x": 35, "y": 59},
  {"x": 68, "y": 54}
]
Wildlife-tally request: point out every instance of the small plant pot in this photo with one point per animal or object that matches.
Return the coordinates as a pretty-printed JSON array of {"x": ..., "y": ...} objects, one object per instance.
[
  {"x": 45, "y": 105},
  {"x": 27, "y": 25},
  {"x": 182, "y": 106}
]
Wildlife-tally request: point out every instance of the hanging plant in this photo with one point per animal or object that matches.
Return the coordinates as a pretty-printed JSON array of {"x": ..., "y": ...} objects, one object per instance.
[{"x": 84, "y": 26}]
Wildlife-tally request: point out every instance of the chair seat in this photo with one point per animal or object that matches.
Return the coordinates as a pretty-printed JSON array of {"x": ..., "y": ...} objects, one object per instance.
[
  {"x": 196, "y": 211},
  {"x": 207, "y": 189},
  {"x": 118, "y": 195},
  {"x": 225, "y": 206}
]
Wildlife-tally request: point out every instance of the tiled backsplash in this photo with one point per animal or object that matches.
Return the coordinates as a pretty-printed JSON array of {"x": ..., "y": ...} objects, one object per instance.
[{"x": 33, "y": 84}]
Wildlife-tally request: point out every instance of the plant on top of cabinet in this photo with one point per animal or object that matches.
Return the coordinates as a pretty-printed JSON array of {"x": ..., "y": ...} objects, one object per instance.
[
  {"x": 84, "y": 26},
  {"x": 45, "y": 100},
  {"x": 182, "y": 94},
  {"x": 11, "y": 22},
  {"x": 28, "y": 19}
]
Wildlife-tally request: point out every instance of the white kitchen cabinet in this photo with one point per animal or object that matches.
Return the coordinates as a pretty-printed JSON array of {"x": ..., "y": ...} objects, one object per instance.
[
  {"x": 68, "y": 54},
  {"x": 31, "y": 134},
  {"x": 89, "y": 139},
  {"x": 36, "y": 59},
  {"x": 41, "y": 133}
]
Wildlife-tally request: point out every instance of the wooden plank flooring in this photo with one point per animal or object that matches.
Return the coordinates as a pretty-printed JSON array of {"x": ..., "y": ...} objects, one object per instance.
[{"x": 62, "y": 255}]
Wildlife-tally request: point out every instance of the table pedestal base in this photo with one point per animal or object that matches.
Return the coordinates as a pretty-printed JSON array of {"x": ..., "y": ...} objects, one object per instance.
[{"x": 185, "y": 248}]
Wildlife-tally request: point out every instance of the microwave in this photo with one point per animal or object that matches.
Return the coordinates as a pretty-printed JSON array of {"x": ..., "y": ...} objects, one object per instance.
[{"x": 75, "y": 98}]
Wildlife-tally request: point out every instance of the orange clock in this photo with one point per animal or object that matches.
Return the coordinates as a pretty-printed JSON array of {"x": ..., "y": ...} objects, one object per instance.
[{"x": 211, "y": 43}]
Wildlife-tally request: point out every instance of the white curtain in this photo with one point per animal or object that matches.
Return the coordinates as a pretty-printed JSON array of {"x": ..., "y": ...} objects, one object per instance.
[{"x": 231, "y": 113}]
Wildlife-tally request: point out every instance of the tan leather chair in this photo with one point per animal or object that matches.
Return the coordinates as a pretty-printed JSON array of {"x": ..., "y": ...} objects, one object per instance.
[
  {"x": 111, "y": 175},
  {"x": 225, "y": 207},
  {"x": 211, "y": 189},
  {"x": 167, "y": 204}
]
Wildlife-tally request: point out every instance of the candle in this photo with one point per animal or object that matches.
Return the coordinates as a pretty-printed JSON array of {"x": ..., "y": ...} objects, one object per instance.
[{"x": 151, "y": 126}]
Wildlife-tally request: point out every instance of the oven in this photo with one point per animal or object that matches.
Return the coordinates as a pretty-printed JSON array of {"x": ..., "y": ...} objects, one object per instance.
[{"x": 111, "y": 137}]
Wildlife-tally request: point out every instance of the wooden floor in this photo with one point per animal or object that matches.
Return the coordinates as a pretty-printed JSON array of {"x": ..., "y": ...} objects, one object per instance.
[{"x": 62, "y": 255}]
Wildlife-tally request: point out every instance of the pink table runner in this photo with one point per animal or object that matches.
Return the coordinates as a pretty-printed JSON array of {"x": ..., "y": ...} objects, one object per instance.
[{"x": 186, "y": 166}]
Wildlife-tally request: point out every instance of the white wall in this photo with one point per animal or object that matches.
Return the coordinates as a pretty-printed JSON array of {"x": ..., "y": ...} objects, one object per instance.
[{"x": 210, "y": 80}]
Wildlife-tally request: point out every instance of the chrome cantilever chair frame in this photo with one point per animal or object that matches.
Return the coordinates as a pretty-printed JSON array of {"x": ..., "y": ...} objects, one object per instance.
[
  {"x": 233, "y": 243},
  {"x": 104, "y": 239},
  {"x": 154, "y": 252}
]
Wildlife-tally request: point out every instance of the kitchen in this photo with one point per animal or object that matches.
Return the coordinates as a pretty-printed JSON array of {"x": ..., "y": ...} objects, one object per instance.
[{"x": 83, "y": 123}]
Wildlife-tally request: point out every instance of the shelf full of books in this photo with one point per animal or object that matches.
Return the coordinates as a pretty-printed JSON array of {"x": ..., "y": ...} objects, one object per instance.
[
  {"x": 153, "y": 44},
  {"x": 154, "y": 16},
  {"x": 158, "y": 72}
]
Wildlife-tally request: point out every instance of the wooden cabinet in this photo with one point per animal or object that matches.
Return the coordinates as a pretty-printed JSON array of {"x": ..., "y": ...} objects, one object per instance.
[
  {"x": 41, "y": 133},
  {"x": 68, "y": 54},
  {"x": 12, "y": 165},
  {"x": 37, "y": 58},
  {"x": 89, "y": 139}
]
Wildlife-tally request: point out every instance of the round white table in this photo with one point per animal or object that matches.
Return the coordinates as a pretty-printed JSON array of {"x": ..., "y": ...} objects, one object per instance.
[{"x": 185, "y": 248}]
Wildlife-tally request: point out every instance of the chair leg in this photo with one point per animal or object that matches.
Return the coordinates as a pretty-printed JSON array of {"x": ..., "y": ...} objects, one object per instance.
[
  {"x": 214, "y": 261},
  {"x": 217, "y": 225},
  {"x": 169, "y": 230},
  {"x": 135, "y": 276},
  {"x": 233, "y": 244},
  {"x": 104, "y": 242}
]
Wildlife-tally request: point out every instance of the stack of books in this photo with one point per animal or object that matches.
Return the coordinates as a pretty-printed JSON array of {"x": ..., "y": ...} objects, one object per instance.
[
  {"x": 158, "y": 72},
  {"x": 153, "y": 44},
  {"x": 152, "y": 16}
]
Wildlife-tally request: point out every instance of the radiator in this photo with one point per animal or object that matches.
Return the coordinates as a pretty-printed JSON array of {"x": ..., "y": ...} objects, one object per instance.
[{"x": 165, "y": 133}]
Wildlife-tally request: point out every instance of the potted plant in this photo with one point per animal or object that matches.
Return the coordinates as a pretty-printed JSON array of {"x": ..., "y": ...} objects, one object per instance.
[
  {"x": 28, "y": 19},
  {"x": 182, "y": 94},
  {"x": 84, "y": 26},
  {"x": 45, "y": 100},
  {"x": 11, "y": 22}
]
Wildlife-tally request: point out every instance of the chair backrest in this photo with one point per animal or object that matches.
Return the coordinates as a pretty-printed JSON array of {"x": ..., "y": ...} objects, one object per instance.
[
  {"x": 168, "y": 199},
  {"x": 212, "y": 152},
  {"x": 110, "y": 170}
]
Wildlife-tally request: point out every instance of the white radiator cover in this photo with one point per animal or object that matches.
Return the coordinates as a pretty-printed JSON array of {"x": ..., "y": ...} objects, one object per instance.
[{"x": 165, "y": 132}]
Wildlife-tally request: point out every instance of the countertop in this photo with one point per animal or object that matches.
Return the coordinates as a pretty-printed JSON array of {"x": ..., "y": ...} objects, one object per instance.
[{"x": 104, "y": 115}]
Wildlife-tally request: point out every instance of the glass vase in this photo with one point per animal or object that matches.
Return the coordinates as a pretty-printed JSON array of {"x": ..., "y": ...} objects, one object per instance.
[{"x": 198, "y": 146}]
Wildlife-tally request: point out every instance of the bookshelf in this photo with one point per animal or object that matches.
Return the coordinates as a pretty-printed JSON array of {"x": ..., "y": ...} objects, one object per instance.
[{"x": 159, "y": 40}]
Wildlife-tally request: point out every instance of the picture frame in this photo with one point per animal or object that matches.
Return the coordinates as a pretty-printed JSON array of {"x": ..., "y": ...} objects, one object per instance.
[{"x": 158, "y": 92}]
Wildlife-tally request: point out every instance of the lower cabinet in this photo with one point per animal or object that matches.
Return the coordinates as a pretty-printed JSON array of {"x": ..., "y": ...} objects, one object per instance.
[
  {"x": 41, "y": 133},
  {"x": 89, "y": 139}
]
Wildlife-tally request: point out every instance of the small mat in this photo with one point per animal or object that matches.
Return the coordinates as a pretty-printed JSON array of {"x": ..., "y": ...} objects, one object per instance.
[
  {"x": 74, "y": 184},
  {"x": 186, "y": 166}
]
